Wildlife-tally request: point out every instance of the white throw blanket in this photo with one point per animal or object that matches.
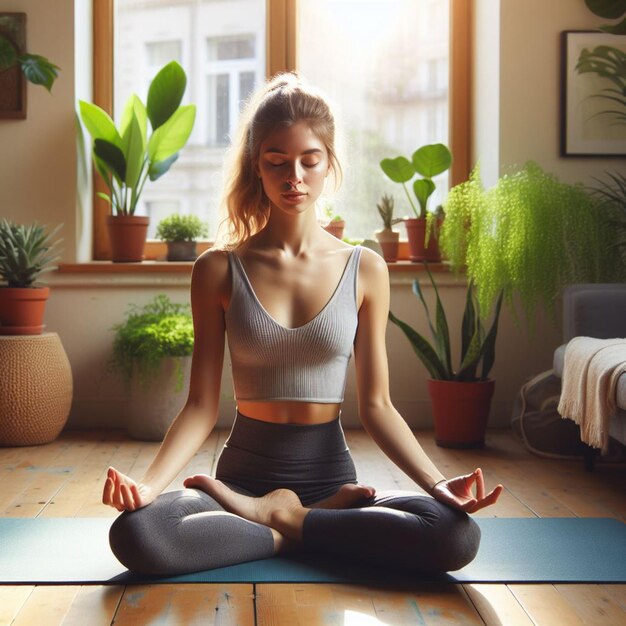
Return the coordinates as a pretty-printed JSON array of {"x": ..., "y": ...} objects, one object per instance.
[{"x": 590, "y": 373}]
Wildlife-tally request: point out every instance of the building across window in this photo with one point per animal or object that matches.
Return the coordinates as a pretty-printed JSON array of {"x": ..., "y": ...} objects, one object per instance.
[{"x": 384, "y": 63}]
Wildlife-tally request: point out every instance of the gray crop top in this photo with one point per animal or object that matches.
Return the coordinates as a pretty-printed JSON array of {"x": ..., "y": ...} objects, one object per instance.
[{"x": 308, "y": 363}]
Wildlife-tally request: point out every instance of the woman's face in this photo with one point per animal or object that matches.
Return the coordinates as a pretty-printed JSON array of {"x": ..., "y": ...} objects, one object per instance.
[{"x": 293, "y": 165}]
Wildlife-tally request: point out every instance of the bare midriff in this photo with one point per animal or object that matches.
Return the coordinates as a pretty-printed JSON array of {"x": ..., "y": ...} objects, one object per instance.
[{"x": 290, "y": 411}]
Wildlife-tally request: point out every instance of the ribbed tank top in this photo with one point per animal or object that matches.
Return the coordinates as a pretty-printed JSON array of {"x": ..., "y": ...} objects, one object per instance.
[{"x": 273, "y": 362}]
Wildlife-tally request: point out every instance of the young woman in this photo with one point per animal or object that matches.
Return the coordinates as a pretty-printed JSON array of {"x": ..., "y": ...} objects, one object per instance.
[{"x": 294, "y": 301}]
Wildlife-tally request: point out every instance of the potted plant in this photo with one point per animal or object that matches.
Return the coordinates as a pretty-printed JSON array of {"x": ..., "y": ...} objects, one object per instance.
[
  {"x": 334, "y": 223},
  {"x": 180, "y": 233},
  {"x": 528, "y": 236},
  {"x": 26, "y": 252},
  {"x": 460, "y": 398},
  {"x": 612, "y": 199},
  {"x": 152, "y": 355},
  {"x": 388, "y": 238},
  {"x": 126, "y": 157},
  {"x": 423, "y": 229}
]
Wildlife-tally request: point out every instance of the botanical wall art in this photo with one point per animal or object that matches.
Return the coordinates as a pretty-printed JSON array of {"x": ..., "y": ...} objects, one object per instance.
[{"x": 593, "y": 120}]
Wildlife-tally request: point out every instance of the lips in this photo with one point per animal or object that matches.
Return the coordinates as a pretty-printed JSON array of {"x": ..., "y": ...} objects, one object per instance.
[{"x": 292, "y": 195}]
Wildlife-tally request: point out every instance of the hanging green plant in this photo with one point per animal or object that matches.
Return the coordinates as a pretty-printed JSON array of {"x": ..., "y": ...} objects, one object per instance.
[
  {"x": 149, "y": 334},
  {"x": 528, "y": 236}
]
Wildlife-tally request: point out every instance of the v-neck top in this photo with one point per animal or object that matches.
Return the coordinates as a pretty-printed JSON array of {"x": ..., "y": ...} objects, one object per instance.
[{"x": 308, "y": 363}]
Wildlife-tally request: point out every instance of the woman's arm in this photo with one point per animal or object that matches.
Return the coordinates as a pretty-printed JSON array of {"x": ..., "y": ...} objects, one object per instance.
[
  {"x": 376, "y": 411},
  {"x": 197, "y": 418}
]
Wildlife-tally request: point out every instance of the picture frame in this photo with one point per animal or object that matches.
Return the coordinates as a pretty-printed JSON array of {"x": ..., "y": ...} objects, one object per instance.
[
  {"x": 589, "y": 123},
  {"x": 12, "y": 80}
]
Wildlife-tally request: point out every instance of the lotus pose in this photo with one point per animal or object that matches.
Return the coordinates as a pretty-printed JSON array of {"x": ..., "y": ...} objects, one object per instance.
[{"x": 294, "y": 302}]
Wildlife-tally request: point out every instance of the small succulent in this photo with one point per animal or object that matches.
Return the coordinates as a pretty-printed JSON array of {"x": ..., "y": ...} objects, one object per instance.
[
  {"x": 385, "y": 210},
  {"x": 26, "y": 252}
]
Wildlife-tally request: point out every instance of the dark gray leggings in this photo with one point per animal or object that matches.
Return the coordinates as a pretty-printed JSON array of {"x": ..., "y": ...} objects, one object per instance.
[{"x": 186, "y": 531}]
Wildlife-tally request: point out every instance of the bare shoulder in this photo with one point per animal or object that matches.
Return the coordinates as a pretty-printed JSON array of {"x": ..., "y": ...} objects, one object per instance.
[
  {"x": 373, "y": 271},
  {"x": 211, "y": 271}
]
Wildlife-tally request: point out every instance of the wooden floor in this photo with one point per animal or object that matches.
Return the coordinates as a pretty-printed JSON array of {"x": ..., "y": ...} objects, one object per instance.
[{"x": 64, "y": 479}]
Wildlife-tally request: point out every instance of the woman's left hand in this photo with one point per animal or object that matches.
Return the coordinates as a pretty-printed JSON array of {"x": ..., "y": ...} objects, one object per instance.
[{"x": 457, "y": 492}]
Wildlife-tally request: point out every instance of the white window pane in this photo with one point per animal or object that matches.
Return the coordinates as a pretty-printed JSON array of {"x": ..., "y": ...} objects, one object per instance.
[
  {"x": 159, "y": 53},
  {"x": 384, "y": 64},
  {"x": 231, "y": 47},
  {"x": 150, "y": 34}
]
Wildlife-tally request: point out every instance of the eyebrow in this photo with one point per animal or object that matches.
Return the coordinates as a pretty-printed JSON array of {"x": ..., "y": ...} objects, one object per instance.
[{"x": 278, "y": 151}]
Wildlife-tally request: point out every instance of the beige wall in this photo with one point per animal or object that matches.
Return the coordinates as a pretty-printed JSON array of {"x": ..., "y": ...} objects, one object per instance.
[{"x": 515, "y": 119}]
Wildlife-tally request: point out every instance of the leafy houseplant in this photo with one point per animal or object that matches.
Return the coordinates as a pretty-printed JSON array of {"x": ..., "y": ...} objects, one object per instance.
[
  {"x": 151, "y": 351},
  {"x": 426, "y": 162},
  {"x": 612, "y": 198},
  {"x": 528, "y": 236},
  {"x": 611, "y": 10},
  {"x": 126, "y": 157},
  {"x": 461, "y": 398},
  {"x": 26, "y": 252},
  {"x": 180, "y": 233},
  {"x": 387, "y": 237}
]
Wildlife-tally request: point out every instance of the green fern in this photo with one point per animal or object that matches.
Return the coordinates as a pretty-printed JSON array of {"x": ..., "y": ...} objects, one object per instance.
[{"x": 529, "y": 236}]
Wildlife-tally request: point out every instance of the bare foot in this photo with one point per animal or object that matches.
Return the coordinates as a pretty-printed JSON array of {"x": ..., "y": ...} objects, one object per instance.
[
  {"x": 261, "y": 510},
  {"x": 345, "y": 497}
]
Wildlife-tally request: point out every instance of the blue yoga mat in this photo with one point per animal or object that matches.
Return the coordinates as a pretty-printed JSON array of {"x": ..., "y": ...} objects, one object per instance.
[{"x": 512, "y": 550}]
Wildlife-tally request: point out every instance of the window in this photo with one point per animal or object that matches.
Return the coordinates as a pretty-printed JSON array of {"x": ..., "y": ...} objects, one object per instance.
[{"x": 385, "y": 63}]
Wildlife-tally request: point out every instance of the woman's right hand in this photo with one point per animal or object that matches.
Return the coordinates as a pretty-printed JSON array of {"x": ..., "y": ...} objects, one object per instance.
[{"x": 124, "y": 494}]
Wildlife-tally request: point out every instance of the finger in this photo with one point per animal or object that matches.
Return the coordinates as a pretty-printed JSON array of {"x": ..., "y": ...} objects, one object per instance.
[
  {"x": 480, "y": 484},
  {"x": 107, "y": 492},
  {"x": 127, "y": 498},
  {"x": 136, "y": 495},
  {"x": 490, "y": 498}
]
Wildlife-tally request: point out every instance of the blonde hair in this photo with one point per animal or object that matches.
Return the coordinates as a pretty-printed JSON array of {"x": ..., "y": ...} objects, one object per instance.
[{"x": 281, "y": 102}]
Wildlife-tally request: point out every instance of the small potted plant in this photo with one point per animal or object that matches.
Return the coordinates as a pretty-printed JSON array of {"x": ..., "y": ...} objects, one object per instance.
[
  {"x": 180, "y": 233},
  {"x": 422, "y": 230},
  {"x": 333, "y": 223},
  {"x": 126, "y": 157},
  {"x": 460, "y": 398},
  {"x": 388, "y": 238},
  {"x": 152, "y": 355},
  {"x": 26, "y": 252}
]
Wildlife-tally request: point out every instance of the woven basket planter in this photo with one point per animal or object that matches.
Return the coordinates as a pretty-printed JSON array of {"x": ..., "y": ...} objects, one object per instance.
[{"x": 35, "y": 389}]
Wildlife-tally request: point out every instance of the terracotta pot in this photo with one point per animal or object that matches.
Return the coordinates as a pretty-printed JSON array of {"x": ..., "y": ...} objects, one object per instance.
[
  {"x": 127, "y": 234},
  {"x": 460, "y": 411},
  {"x": 416, "y": 232},
  {"x": 181, "y": 251},
  {"x": 335, "y": 228},
  {"x": 389, "y": 241},
  {"x": 22, "y": 310}
]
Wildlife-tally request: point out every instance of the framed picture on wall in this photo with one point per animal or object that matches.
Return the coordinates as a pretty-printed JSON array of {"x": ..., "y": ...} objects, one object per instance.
[
  {"x": 593, "y": 88},
  {"x": 12, "y": 81}
]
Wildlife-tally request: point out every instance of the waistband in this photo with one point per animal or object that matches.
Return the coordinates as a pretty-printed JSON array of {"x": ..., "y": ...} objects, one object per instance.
[{"x": 287, "y": 441}]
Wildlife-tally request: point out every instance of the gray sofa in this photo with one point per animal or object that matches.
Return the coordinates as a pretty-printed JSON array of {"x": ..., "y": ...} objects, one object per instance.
[{"x": 596, "y": 310}]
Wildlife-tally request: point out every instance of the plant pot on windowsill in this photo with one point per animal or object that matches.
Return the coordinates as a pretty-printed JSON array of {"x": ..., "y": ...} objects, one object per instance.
[
  {"x": 181, "y": 251},
  {"x": 127, "y": 235},
  {"x": 416, "y": 233},
  {"x": 336, "y": 228}
]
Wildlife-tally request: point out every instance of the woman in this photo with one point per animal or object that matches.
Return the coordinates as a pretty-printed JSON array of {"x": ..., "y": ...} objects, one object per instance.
[{"x": 293, "y": 301}]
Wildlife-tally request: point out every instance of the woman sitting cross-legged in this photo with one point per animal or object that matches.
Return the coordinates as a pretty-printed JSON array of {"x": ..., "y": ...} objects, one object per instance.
[{"x": 293, "y": 301}]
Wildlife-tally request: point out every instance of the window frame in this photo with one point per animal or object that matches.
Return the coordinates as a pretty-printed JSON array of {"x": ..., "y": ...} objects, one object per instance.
[{"x": 281, "y": 50}]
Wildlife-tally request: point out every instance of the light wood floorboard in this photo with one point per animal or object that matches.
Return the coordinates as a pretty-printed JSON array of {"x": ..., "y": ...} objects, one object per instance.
[{"x": 64, "y": 479}]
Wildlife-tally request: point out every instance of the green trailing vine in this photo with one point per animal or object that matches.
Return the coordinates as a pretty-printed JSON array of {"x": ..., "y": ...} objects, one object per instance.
[
  {"x": 149, "y": 334},
  {"x": 528, "y": 236}
]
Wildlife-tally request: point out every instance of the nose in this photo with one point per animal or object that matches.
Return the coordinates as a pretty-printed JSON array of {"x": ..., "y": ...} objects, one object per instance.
[{"x": 294, "y": 176}]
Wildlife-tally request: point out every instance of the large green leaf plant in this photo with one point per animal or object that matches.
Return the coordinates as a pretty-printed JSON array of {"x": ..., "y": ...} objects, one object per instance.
[
  {"x": 426, "y": 163},
  {"x": 477, "y": 345},
  {"x": 126, "y": 157}
]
